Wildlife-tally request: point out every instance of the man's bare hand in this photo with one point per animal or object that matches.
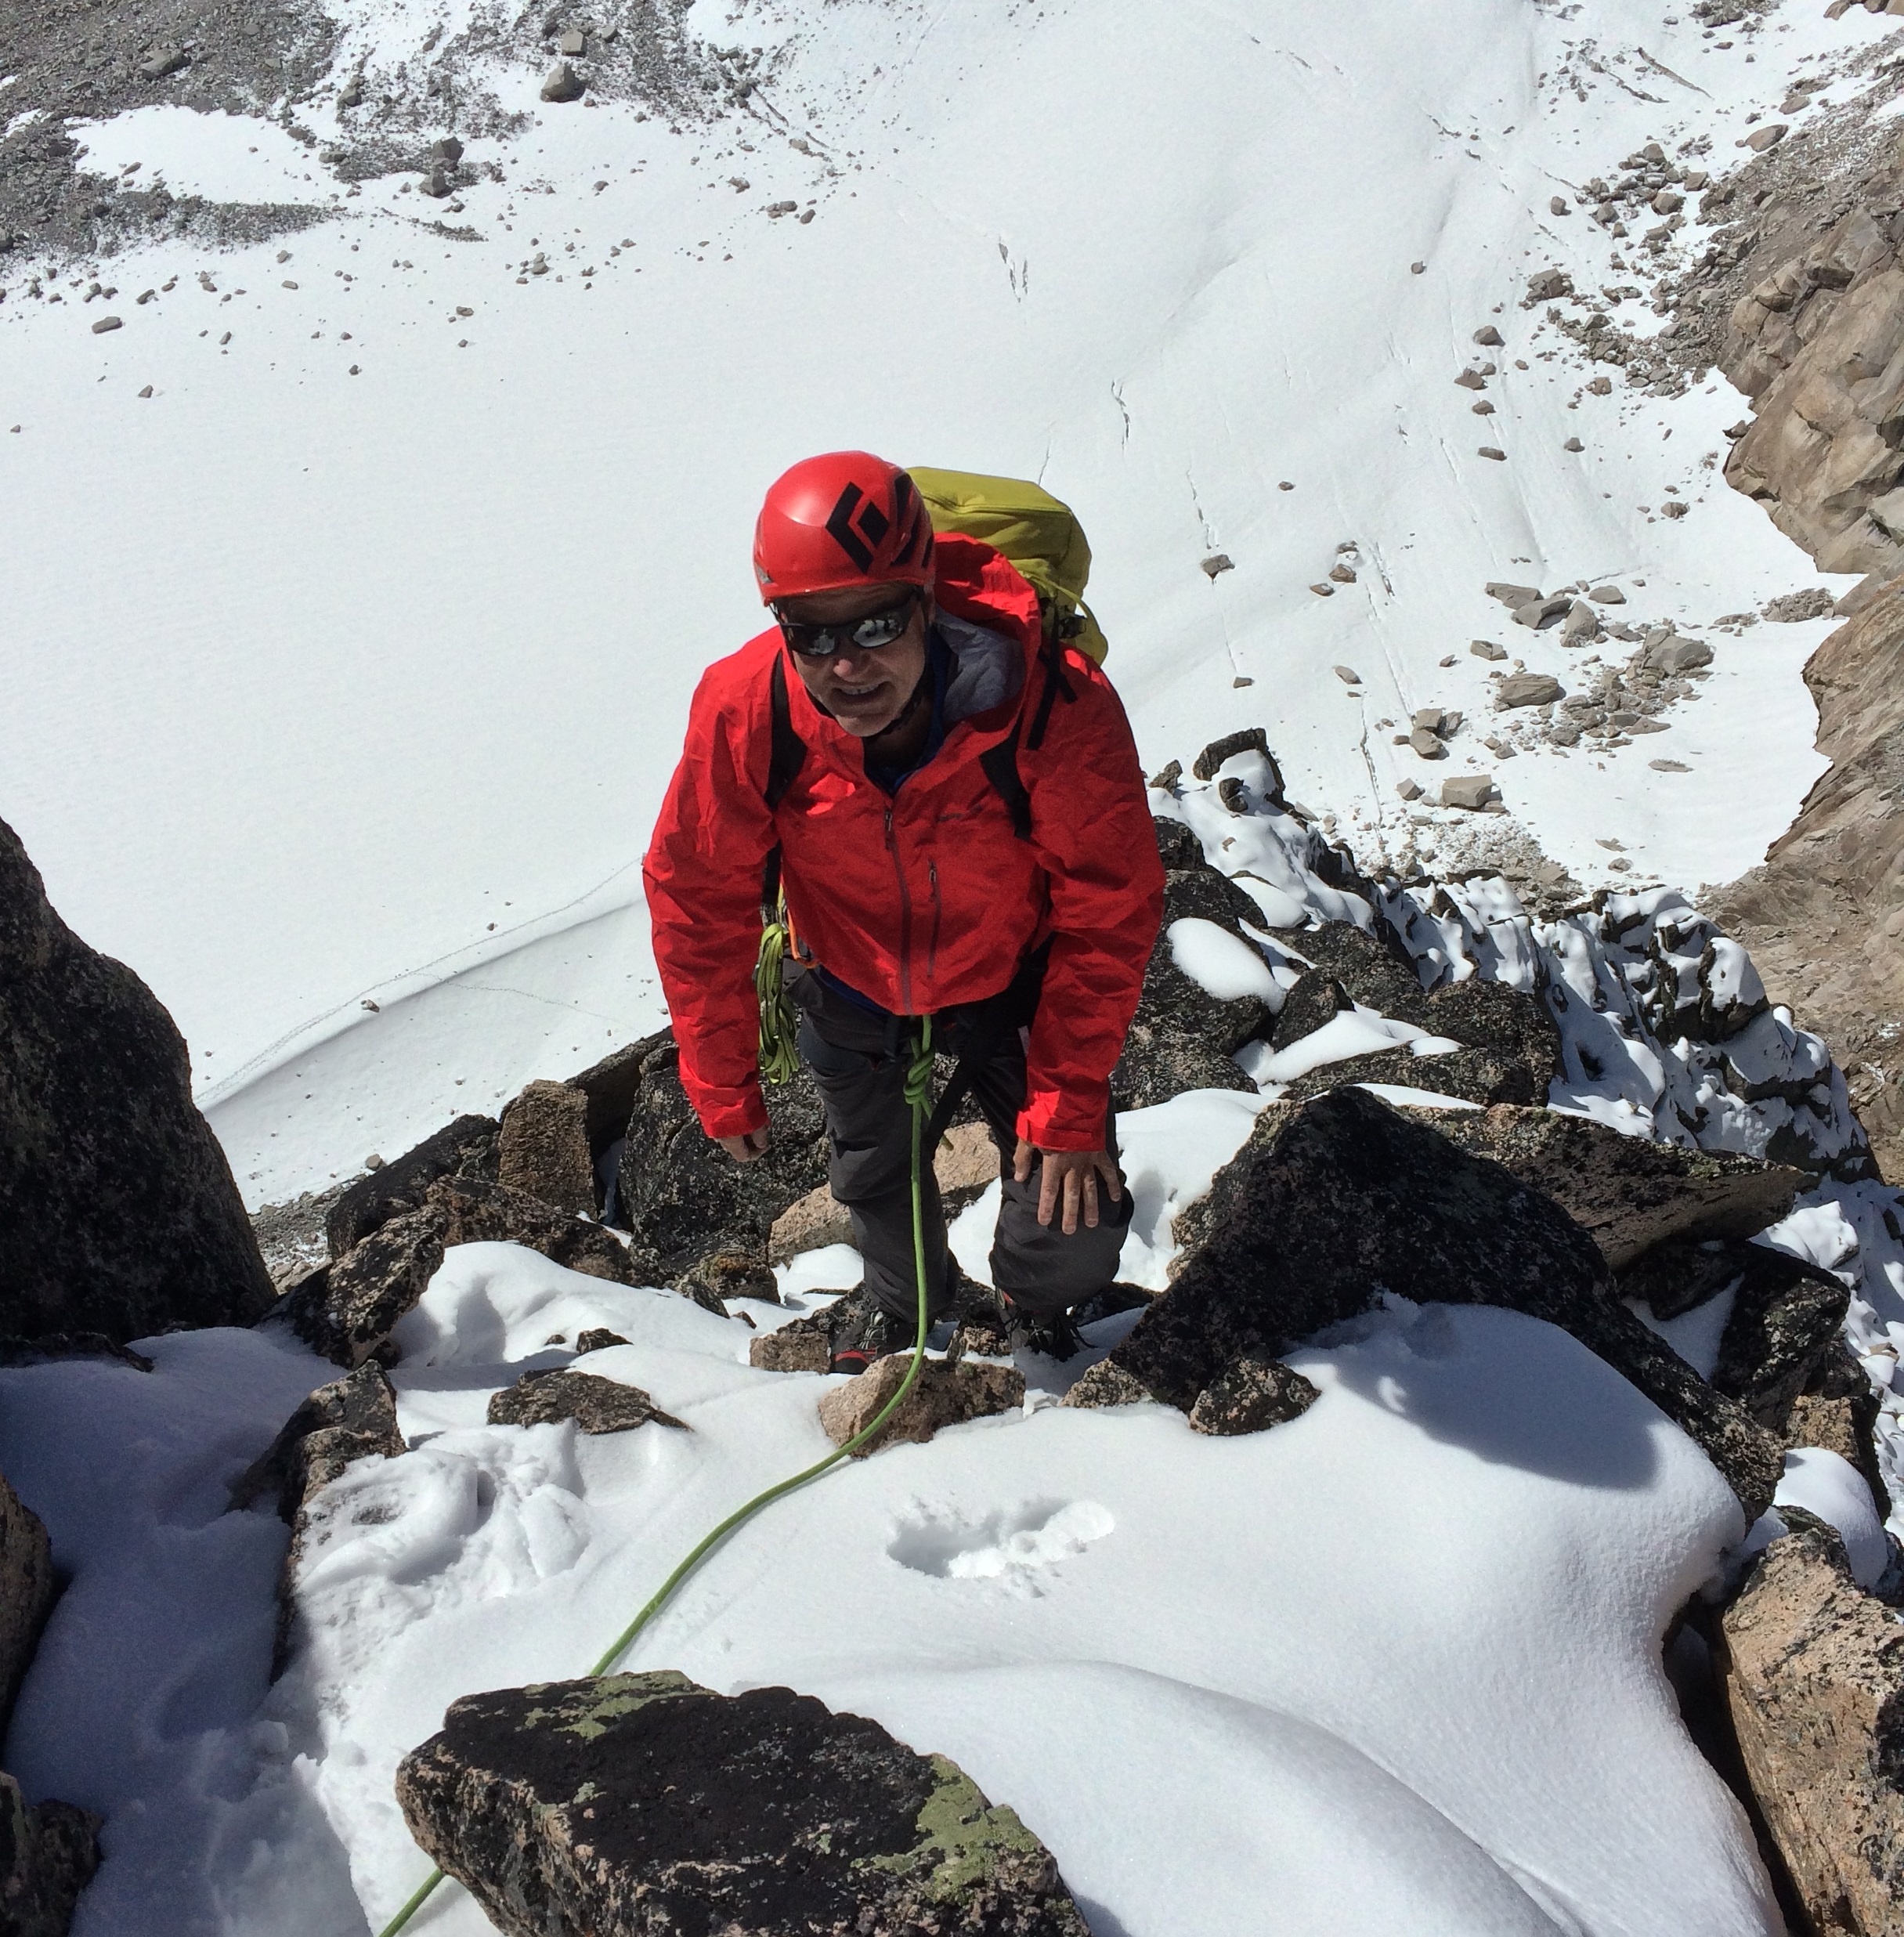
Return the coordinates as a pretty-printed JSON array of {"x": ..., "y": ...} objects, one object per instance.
[
  {"x": 743, "y": 1149},
  {"x": 1072, "y": 1175}
]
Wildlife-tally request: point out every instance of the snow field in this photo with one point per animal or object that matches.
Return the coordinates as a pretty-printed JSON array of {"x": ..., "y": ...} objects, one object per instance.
[
  {"x": 382, "y": 660},
  {"x": 1197, "y": 1667}
]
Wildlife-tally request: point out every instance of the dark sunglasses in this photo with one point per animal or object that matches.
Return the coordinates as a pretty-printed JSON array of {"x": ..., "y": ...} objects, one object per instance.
[{"x": 849, "y": 635}]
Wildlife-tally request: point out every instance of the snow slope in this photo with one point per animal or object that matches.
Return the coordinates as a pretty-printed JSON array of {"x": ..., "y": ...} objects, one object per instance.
[
  {"x": 1325, "y": 1668},
  {"x": 328, "y": 689}
]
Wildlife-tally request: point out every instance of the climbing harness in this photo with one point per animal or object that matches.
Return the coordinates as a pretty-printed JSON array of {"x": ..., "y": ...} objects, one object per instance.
[{"x": 919, "y": 1099}]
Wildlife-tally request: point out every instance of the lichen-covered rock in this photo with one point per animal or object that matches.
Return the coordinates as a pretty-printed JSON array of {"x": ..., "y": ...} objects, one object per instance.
[
  {"x": 475, "y": 1212},
  {"x": 1255, "y": 1393},
  {"x": 48, "y": 1854},
  {"x": 464, "y": 1148},
  {"x": 943, "y": 1394},
  {"x": 1629, "y": 1193},
  {"x": 681, "y": 1192},
  {"x": 643, "y": 1805},
  {"x": 595, "y": 1404},
  {"x": 349, "y": 1419},
  {"x": 1331, "y": 1203},
  {"x": 1813, "y": 1674},
  {"x": 543, "y": 1148},
  {"x": 27, "y": 1591},
  {"x": 118, "y": 1214},
  {"x": 347, "y": 1311}
]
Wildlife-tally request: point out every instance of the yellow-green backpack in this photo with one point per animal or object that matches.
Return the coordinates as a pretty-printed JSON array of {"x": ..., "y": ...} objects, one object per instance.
[{"x": 1038, "y": 533}]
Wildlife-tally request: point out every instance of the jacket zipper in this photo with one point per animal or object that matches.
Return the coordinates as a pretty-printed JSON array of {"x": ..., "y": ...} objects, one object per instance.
[
  {"x": 932, "y": 950},
  {"x": 905, "y": 918}
]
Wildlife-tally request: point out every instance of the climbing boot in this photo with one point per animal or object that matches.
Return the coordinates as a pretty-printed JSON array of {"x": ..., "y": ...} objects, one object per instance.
[{"x": 1054, "y": 1335}]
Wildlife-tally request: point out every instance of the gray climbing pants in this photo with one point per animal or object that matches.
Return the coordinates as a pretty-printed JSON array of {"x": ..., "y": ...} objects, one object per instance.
[{"x": 858, "y": 1060}]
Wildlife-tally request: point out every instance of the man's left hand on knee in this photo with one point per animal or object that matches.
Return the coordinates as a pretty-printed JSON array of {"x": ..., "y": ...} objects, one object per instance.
[{"x": 1070, "y": 1177}]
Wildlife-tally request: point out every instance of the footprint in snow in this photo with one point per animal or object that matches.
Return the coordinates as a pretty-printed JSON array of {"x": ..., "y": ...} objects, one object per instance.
[{"x": 1008, "y": 1543}]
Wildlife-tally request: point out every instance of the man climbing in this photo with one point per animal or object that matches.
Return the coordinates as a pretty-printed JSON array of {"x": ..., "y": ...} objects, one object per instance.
[{"x": 952, "y": 802}]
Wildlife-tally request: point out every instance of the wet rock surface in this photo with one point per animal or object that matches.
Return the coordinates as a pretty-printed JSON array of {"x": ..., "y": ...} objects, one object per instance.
[
  {"x": 118, "y": 1214},
  {"x": 643, "y": 1805},
  {"x": 595, "y": 1404},
  {"x": 1813, "y": 1675},
  {"x": 1331, "y": 1203}
]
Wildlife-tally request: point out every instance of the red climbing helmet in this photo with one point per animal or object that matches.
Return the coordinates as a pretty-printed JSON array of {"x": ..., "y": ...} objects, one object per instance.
[{"x": 847, "y": 518}]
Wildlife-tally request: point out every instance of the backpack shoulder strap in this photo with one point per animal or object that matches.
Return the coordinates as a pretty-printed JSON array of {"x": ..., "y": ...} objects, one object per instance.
[
  {"x": 784, "y": 761},
  {"x": 1000, "y": 763},
  {"x": 789, "y": 751},
  {"x": 1051, "y": 656}
]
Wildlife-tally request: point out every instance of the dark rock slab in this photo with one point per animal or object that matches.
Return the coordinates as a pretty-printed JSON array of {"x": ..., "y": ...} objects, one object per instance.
[
  {"x": 943, "y": 1394},
  {"x": 465, "y": 1148},
  {"x": 611, "y": 1086},
  {"x": 543, "y": 1148},
  {"x": 1251, "y": 739},
  {"x": 118, "y": 1214},
  {"x": 642, "y": 1805},
  {"x": 713, "y": 1280},
  {"x": 1331, "y": 1203},
  {"x": 595, "y": 1404},
  {"x": 51, "y": 1347},
  {"x": 477, "y": 1212},
  {"x": 1316, "y": 999},
  {"x": 1183, "y": 1038},
  {"x": 1255, "y": 1393},
  {"x": 48, "y": 1855},
  {"x": 1786, "y": 1317},
  {"x": 27, "y": 1594},
  {"x": 1473, "y": 1075},
  {"x": 1628, "y": 1192},
  {"x": 1509, "y": 1023},
  {"x": 1813, "y": 1676},
  {"x": 1373, "y": 970},
  {"x": 684, "y": 1196},
  {"x": 347, "y": 1311},
  {"x": 597, "y": 1338},
  {"x": 349, "y": 1419}
]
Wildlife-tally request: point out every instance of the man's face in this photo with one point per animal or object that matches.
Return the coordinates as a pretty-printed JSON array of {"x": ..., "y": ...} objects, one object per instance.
[{"x": 865, "y": 692}]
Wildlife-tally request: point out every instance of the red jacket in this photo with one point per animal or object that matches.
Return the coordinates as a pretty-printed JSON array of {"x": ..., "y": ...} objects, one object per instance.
[{"x": 921, "y": 900}]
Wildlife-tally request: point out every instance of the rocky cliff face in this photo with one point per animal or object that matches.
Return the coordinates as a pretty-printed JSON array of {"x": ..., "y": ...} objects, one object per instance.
[
  {"x": 1809, "y": 278},
  {"x": 118, "y": 1214},
  {"x": 1824, "y": 916}
]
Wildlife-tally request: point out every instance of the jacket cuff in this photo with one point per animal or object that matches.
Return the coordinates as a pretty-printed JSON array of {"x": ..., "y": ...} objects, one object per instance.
[
  {"x": 1077, "y": 1118},
  {"x": 736, "y": 1112}
]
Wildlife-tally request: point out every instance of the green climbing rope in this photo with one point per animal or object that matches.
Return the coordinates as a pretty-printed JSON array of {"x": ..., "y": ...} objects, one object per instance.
[
  {"x": 779, "y": 1061},
  {"x": 919, "y": 1098}
]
